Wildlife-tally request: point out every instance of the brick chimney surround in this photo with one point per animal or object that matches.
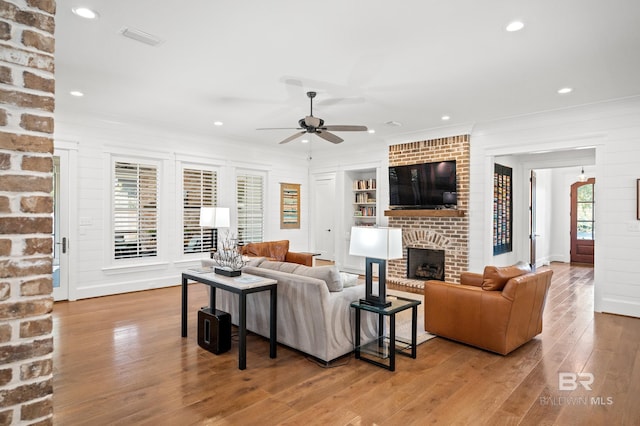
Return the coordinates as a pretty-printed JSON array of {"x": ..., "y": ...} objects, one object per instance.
[{"x": 446, "y": 230}]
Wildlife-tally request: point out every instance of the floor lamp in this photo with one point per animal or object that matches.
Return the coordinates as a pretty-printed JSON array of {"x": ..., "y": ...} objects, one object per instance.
[
  {"x": 377, "y": 245},
  {"x": 214, "y": 218}
]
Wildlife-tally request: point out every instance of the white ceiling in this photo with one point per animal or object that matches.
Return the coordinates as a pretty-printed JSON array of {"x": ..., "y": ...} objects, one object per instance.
[{"x": 248, "y": 63}]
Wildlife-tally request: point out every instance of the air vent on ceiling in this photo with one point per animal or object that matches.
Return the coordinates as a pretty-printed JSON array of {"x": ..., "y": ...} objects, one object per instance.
[{"x": 141, "y": 36}]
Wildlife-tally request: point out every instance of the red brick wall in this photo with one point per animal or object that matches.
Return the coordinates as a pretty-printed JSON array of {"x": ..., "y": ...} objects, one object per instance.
[
  {"x": 26, "y": 168},
  {"x": 447, "y": 233}
]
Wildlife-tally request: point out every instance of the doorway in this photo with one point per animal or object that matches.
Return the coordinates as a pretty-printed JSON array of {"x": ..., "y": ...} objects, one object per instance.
[
  {"x": 582, "y": 221},
  {"x": 325, "y": 206},
  {"x": 61, "y": 241}
]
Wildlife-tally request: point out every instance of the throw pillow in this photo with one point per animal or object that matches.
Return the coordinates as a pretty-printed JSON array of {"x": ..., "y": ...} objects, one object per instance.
[
  {"x": 495, "y": 277},
  {"x": 348, "y": 280},
  {"x": 287, "y": 267},
  {"x": 328, "y": 273}
]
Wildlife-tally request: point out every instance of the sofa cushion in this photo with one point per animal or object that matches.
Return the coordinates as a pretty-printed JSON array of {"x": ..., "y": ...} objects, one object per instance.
[
  {"x": 329, "y": 273},
  {"x": 496, "y": 277}
]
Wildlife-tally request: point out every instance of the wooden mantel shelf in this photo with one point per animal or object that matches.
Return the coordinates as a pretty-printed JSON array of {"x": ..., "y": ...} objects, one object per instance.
[{"x": 425, "y": 213}]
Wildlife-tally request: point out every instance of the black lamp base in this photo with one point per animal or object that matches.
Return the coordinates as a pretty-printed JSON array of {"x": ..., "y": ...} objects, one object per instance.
[{"x": 370, "y": 298}]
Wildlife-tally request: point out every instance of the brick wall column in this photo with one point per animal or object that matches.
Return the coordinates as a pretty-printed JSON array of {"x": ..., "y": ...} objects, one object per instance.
[
  {"x": 447, "y": 233},
  {"x": 27, "y": 88}
]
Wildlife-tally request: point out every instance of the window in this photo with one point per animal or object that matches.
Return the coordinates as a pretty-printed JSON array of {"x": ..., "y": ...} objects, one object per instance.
[
  {"x": 135, "y": 210},
  {"x": 585, "y": 224},
  {"x": 199, "y": 189},
  {"x": 250, "y": 190}
]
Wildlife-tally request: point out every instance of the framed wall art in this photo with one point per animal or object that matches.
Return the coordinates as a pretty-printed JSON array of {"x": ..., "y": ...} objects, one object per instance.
[
  {"x": 502, "y": 209},
  {"x": 289, "y": 206}
]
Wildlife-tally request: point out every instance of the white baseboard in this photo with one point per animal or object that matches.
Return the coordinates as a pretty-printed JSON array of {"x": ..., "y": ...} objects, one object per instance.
[{"x": 109, "y": 289}]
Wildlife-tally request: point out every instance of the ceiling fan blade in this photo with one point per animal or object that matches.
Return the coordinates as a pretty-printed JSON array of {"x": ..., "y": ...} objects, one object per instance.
[
  {"x": 329, "y": 136},
  {"x": 279, "y": 128},
  {"x": 346, "y": 128},
  {"x": 292, "y": 137},
  {"x": 312, "y": 121}
]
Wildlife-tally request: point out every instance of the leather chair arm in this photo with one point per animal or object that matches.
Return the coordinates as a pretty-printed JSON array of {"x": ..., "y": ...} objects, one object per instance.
[
  {"x": 471, "y": 278},
  {"x": 301, "y": 258}
]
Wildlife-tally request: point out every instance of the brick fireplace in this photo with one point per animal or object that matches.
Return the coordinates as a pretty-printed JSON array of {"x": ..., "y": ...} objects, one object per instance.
[{"x": 445, "y": 230}]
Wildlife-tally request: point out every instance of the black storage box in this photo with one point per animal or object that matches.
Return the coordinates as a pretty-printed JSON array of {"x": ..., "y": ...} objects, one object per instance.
[{"x": 214, "y": 330}]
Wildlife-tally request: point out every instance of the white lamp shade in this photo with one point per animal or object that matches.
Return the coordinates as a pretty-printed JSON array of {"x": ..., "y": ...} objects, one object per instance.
[
  {"x": 214, "y": 217},
  {"x": 378, "y": 243}
]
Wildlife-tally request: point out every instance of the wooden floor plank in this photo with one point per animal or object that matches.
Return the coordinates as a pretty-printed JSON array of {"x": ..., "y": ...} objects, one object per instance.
[{"x": 121, "y": 360}]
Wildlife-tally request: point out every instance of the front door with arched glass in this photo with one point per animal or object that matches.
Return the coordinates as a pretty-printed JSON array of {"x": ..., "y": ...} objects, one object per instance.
[{"x": 582, "y": 221}]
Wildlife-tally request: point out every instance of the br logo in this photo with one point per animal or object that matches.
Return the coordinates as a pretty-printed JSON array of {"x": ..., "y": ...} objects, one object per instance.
[{"x": 570, "y": 381}]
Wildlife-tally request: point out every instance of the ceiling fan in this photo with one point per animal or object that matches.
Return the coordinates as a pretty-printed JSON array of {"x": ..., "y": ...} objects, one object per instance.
[{"x": 315, "y": 125}]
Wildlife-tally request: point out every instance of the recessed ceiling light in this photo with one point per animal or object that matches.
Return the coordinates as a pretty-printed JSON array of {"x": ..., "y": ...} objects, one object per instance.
[
  {"x": 445, "y": 118},
  {"x": 76, "y": 93},
  {"x": 218, "y": 123},
  {"x": 85, "y": 12},
  {"x": 393, "y": 123},
  {"x": 372, "y": 131},
  {"x": 305, "y": 141},
  {"x": 514, "y": 26},
  {"x": 565, "y": 90}
]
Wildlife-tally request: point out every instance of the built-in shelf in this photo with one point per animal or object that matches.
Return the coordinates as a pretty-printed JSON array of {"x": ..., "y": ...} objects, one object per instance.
[{"x": 425, "y": 213}]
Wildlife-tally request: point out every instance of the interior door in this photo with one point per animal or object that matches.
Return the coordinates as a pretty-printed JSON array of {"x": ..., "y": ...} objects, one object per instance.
[
  {"x": 582, "y": 221},
  {"x": 532, "y": 219},
  {"x": 61, "y": 225},
  {"x": 325, "y": 205}
]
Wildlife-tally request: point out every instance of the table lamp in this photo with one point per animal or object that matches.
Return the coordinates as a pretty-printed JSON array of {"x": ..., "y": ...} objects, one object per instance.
[
  {"x": 214, "y": 218},
  {"x": 377, "y": 245}
]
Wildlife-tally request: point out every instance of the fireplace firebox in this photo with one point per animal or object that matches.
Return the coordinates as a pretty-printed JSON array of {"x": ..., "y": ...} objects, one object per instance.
[{"x": 425, "y": 264}]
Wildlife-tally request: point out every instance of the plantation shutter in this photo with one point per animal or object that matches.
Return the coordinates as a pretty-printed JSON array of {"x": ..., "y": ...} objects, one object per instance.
[
  {"x": 199, "y": 190},
  {"x": 250, "y": 189},
  {"x": 135, "y": 210}
]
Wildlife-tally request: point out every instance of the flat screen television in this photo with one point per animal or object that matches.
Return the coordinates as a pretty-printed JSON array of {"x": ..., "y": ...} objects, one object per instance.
[{"x": 423, "y": 186}]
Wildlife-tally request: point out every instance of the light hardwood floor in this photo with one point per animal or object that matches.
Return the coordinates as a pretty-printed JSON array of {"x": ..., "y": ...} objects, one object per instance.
[{"x": 121, "y": 360}]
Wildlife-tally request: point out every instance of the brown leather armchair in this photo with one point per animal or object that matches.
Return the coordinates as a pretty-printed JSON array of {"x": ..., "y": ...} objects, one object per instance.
[
  {"x": 499, "y": 310},
  {"x": 276, "y": 250}
]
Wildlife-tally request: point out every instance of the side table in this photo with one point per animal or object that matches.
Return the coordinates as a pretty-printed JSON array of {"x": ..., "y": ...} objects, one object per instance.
[
  {"x": 384, "y": 347},
  {"x": 242, "y": 286}
]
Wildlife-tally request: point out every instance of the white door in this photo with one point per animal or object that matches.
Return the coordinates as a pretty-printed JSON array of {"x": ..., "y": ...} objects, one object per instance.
[
  {"x": 325, "y": 205},
  {"x": 61, "y": 225}
]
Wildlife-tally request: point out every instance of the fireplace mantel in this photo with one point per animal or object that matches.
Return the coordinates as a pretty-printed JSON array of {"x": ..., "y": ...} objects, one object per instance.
[{"x": 425, "y": 213}]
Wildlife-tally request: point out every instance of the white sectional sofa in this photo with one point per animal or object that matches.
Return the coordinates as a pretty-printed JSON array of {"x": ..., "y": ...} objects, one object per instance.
[{"x": 314, "y": 312}]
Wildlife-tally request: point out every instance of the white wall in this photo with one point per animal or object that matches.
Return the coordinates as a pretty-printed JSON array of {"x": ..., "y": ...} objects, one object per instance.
[
  {"x": 612, "y": 130},
  {"x": 94, "y": 271}
]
